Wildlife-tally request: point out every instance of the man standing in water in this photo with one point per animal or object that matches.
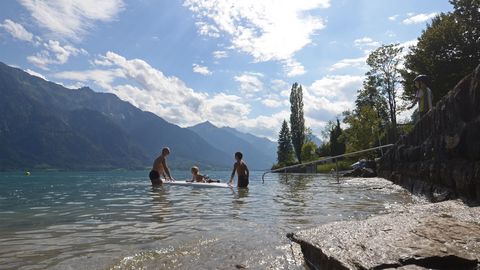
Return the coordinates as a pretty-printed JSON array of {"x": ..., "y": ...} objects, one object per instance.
[
  {"x": 160, "y": 168},
  {"x": 423, "y": 96},
  {"x": 242, "y": 171}
]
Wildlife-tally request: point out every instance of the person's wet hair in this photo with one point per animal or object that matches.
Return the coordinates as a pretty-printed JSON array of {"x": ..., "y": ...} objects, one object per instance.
[
  {"x": 239, "y": 155},
  {"x": 166, "y": 150}
]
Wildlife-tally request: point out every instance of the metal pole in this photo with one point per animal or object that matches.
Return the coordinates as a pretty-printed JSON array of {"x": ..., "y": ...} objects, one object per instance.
[{"x": 336, "y": 168}]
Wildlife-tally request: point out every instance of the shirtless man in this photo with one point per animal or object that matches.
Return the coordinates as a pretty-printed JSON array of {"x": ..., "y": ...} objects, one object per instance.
[
  {"x": 242, "y": 171},
  {"x": 160, "y": 168}
]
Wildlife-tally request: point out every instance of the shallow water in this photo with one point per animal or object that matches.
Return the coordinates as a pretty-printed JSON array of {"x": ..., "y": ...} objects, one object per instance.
[{"x": 101, "y": 220}]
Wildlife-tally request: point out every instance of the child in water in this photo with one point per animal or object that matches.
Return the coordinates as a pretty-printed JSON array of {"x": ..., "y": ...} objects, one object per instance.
[
  {"x": 242, "y": 171},
  {"x": 197, "y": 177}
]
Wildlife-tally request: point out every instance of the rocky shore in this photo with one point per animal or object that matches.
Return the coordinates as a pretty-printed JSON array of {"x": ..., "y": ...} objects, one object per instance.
[
  {"x": 444, "y": 235},
  {"x": 440, "y": 160}
]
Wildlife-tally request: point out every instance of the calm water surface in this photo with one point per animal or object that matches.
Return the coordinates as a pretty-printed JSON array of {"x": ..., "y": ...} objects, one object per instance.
[{"x": 115, "y": 220}]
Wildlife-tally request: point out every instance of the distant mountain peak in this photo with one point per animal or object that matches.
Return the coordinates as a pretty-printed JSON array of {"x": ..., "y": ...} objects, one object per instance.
[{"x": 205, "y": 124}]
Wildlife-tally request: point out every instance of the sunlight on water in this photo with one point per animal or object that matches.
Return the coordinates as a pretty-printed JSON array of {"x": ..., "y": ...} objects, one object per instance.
[{"x": 116, "y": 220}]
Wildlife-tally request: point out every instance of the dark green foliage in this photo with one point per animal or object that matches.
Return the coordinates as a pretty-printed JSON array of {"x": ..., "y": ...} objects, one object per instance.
[
  {"x": 309, "y": 151},
  {"x": 447, "y": 51},
  {"x": 285, "y": 149},
  {"x": 324, "y": 150},
  {"x": 370, "y": 96},
  {"x": 297, "y": 121},
  {"x": 337, "y": 145}
]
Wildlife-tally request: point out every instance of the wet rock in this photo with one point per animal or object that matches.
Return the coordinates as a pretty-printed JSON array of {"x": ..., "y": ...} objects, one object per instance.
[
  {"x": 443, "y": 149},
  {"x": 434, "y": 236},
  {"x": 361, "y": 172}
]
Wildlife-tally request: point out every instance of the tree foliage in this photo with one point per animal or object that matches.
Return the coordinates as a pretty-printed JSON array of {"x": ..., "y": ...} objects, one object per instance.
[
  {"x": 447, "y": 50},
  {"x": 284, "y": 149},
  {"x": 370, "y": 96},
  {"x": 364, "y": 128},
  {"x": 337, "y": 144},
  {"x": 309, "y": 151},
  {"x": 297, "y": 121},
  {"x": 384, "y": 65}
]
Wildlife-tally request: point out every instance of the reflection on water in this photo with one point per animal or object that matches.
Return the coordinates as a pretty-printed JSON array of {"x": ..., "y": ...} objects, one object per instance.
[{"x": 117, "y": 220}]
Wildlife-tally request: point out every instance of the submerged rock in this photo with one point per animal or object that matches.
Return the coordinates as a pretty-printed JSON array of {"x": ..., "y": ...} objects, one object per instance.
[{"x": 435, "y": 236}]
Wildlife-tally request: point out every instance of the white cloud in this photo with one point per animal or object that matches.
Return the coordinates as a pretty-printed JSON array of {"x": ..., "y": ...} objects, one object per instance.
[
  {"x": 419, "y": 18},
  {"x": 54, "y": 53},
  {"x": 249, "y": 83},
  {"x": 293, "y": 68},
  {"x": 220, "y": 54},
  {"x": 150, "y": 90},
  {"x": 201, "y": 69},
  {"x": 267, "y": 30},
  {"x": 359, "y": 62},
  {"x": 263, "y": 125},
  {"x": 34, "y": 73},
  {"x": 393, "y": 17},
  {"x": 103, "y": 78},
  {"x": 365, "y": 42},
  {"x": 279, "y": 85},
  {"x": 71, "y": 19},
  {"x": 328, "y": 97},
  {"x": 17, "y": 30},
  {"x": 390, "y": 33}
]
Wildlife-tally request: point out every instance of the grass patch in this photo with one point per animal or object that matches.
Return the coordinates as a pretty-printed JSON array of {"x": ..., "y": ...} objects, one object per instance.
[{"x": 343, "y": 165}]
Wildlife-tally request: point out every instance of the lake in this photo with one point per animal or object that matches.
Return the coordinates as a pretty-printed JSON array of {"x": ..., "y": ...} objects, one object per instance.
[{"x": 116, "y": 220}]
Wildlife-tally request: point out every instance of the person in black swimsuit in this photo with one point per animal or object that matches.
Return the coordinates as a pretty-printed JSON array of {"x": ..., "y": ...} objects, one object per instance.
[
  {"x": 242, "y": 171},
  {"x": 160, "y": 168}
]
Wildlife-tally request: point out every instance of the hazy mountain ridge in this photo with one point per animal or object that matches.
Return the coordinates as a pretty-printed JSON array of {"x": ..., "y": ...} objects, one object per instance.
[
  {"x": 230, "y": 140},
  {"x": 44, "y": 125}
]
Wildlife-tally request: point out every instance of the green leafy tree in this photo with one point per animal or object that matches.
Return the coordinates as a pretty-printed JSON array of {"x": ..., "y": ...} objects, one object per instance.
[
  {"x": 447, "y": 50},
  {"x": 297, "y": 121},
  {"x": 363, "y": 128},
  {"x": 324, "y": 149},
  {"x": 284, "y": 149},
  {"x": 309, "y": 151},
  {"x": 371, "y": 97},
  {"x": 337, "y": 145},
  {"x": 384, "y": 65}
]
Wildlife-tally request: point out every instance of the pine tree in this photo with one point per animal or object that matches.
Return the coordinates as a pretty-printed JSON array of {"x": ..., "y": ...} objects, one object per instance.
[
  {"x": 297, "y": 121},
  {"x": 285, "y": 149},
  {"x": 337, "y": 146}
]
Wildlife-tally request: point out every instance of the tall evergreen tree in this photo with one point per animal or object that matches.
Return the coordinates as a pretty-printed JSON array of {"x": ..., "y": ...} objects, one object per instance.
[
  {"x": 297, "y": 121},
  {"x": 337, "y": 146},
  {"x": 285, "y": 149}
]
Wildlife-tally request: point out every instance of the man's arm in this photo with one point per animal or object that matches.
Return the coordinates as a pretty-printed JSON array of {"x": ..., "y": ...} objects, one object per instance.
[
  {"x": 248, "y": 172},
  {"x": 165, "y": 167}
]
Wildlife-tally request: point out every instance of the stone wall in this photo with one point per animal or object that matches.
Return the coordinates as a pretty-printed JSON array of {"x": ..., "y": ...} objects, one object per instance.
[{"x": 440, "y": 158}]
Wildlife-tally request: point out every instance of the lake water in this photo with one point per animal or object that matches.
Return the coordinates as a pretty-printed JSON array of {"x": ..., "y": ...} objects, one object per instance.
[{"x": 116, "y": 220}]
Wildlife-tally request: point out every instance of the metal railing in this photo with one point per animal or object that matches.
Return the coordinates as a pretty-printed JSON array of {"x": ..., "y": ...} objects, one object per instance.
[{"x": 323, "y": 160}]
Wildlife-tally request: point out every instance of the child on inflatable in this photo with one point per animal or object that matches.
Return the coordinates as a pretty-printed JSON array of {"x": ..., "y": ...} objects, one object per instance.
[{"x": 197, "y": 177}]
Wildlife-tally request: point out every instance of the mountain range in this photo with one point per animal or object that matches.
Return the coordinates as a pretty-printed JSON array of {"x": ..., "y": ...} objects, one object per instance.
[{"x": 44, "y": 125}]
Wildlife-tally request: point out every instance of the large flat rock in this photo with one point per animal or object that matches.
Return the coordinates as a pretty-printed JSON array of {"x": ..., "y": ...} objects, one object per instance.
[{"x": 433, "y": 236}]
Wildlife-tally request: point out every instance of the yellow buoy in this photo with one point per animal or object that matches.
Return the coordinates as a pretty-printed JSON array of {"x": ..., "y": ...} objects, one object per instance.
[{"x": 27, "y": 173}]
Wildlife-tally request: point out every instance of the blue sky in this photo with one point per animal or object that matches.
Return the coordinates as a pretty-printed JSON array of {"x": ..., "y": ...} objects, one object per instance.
[{"x": 229, "y": 62}]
